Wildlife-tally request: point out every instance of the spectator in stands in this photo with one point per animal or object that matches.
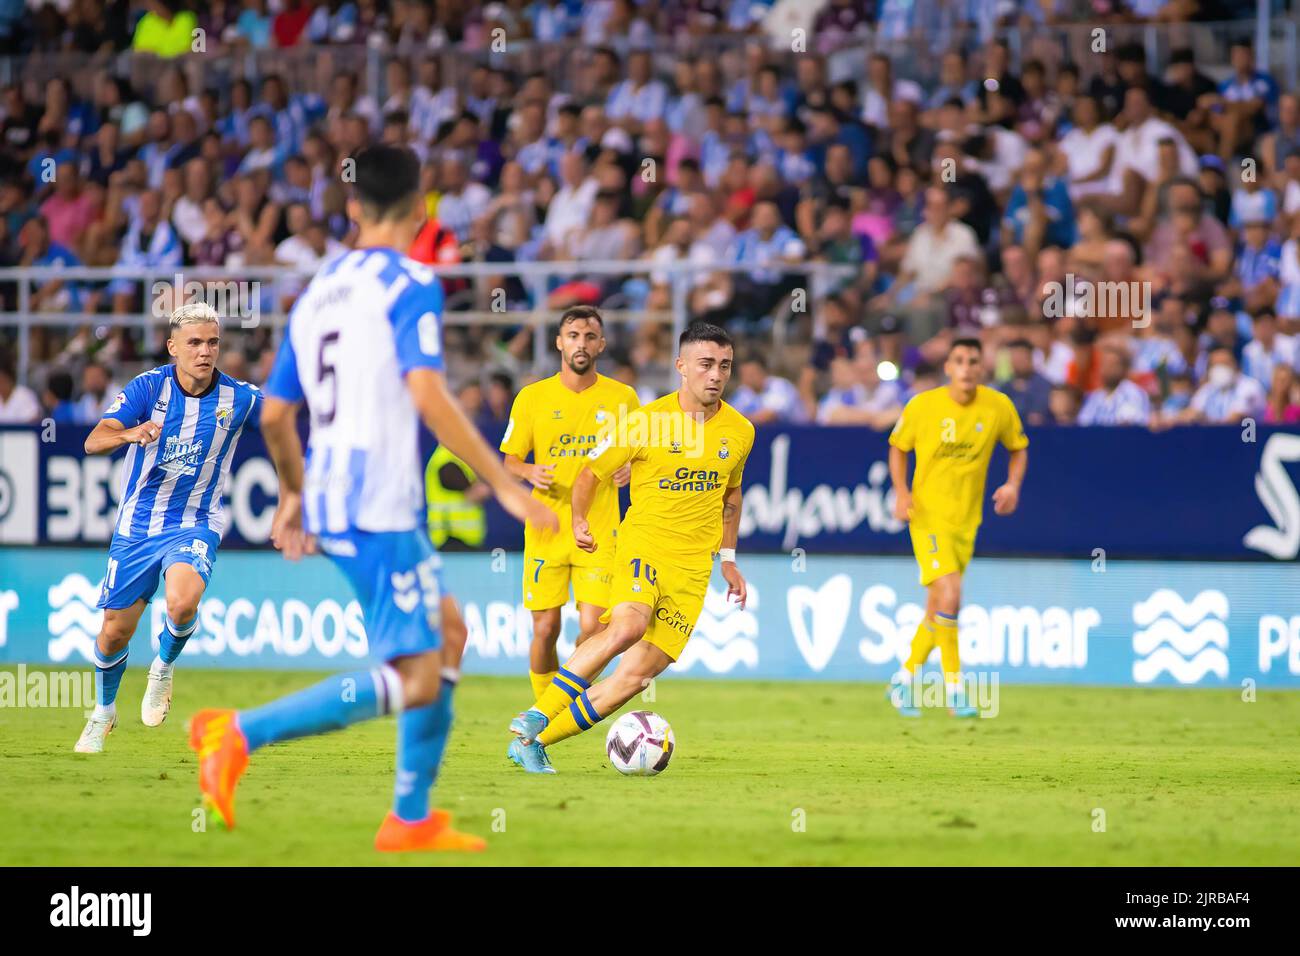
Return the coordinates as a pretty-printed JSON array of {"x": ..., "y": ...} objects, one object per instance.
[
  {"x": 18, "y": 403},
  {"x": 1030, "y": 392},
  {"x": 1268, "y": 348},
  {"x": 166, "y": 30},
  {"x": 1227, "y": 396},
  {"x": 58, "y": 397},
  {"x": 97, "y": 391},
  {"x": 1118, "y": 401},
  {"x": 1064, "y": 403},
  {"x": 1281, "y": 408},
  {"x": 765, "y": 398},
  {"x": 932, "y": 250},
  {"x": 857, "y": 395},
  {"x": 769, "y": 248}
]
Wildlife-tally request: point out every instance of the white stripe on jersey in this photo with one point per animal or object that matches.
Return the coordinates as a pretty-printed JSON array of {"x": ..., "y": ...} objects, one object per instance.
[
  {"x": 128, "y": 506},
  {"x": 189, "y": 425},
  {"x": 217, "y": 511},
  {"x": 225, "y": 399},
  {"x": 336, "y": 494}
]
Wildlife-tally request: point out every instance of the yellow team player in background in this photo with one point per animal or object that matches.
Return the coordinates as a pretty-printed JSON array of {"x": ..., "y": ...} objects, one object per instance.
[
  {"x": 559, "y": 420},
  {"x": 952, "y": 429},
  {"x": 687, "y": 452}
]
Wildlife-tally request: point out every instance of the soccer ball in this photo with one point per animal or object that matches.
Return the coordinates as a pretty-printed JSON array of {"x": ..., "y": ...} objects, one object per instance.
[{"x": 640, "y": 744}]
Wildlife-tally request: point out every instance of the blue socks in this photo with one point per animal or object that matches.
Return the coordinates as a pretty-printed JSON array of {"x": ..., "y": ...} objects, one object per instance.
[
  {"x": 108, "y": 678},
  {"x": 172, "y": 640},
  {"x": 346, "y": 699},
  {"x": 332, "y": 704},
  {"x": 421, "y": 739}
]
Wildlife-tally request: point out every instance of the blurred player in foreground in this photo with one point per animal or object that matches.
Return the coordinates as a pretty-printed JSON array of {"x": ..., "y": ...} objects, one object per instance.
[
  {"x": 687, "y": 451},
  {"x": 952, "y": 429},
  {"x": 559, "y": 420},
  {"x": 182, "y": 423},
  {"x": 363, "y": 350}
]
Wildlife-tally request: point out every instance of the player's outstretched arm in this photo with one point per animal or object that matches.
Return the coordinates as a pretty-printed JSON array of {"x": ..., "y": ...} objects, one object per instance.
[
  {"x": 1007, "y": 497},
  {"x": 736, "y": 585},
  {"x": 898, "y": 474},
  {"x": 110, "y": 435},
  {"x": 280, "y": 430},
  {"x": 443, "y": 416},
  {"x": 584, "y": 490}
]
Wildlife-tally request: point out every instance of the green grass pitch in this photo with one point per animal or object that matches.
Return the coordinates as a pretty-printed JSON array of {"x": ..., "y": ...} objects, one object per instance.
[{"x": 764, "y": 773}]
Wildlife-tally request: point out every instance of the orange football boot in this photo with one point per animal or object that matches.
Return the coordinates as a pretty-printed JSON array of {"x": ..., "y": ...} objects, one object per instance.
[
  {"x": 433, "y": 833},
  {"x": 223, "y": 758}
]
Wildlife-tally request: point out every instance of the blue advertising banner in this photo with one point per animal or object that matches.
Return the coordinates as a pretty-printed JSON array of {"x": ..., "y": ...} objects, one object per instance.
[
  {"x": 1207, "y": 493},
  {"x": 809, "y": 617}
]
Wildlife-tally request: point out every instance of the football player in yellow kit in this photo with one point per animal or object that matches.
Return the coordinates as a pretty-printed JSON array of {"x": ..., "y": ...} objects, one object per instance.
[
  {"x": 559, "y": 420},
  {"x": 687, "y": 451},
  {"x": 952, "y": 429}
]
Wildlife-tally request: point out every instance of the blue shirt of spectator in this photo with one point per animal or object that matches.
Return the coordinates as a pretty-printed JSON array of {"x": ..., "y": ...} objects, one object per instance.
[{"x": 1060, "y": 229}]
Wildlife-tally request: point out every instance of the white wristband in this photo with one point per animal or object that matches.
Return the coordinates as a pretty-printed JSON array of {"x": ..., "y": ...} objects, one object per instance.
[{"x": 727, "y": 554}]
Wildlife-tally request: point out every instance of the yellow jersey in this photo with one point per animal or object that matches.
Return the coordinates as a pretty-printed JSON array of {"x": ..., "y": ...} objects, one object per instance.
[
  {"x": 953, "y": 444},
  {"x": 560, "y": 427},
  {"x": 680, "y": 472}
]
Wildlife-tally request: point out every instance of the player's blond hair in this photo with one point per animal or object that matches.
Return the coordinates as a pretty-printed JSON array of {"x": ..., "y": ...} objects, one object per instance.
[{"x": 194, "y": 313}]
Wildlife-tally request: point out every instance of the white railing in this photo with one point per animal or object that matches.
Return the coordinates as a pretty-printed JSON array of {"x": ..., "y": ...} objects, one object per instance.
[{"x": 231, "y": 290}]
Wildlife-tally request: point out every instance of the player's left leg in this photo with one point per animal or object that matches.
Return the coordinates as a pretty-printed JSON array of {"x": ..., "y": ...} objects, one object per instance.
[
  {"x": 943, "y": 604},
  {"x": 111, "y": 646},
  {"x": 640, "y": 664},
  {"x": 184, "y": 588}
]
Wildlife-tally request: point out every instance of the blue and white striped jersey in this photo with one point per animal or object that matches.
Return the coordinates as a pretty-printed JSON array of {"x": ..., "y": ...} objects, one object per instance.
[
  {"x": 176, "y": 481},
  {"x": 367, "y": 319}
]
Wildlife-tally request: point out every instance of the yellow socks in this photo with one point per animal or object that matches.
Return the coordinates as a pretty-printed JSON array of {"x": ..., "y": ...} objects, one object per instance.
[
  {"x": 922, "y": 645},
  {"x": 945, "y": 635},
  {"x": 574, "y": 719},
  {"x": 540, "y": 682},
  {"x": 562, "y": 691}
]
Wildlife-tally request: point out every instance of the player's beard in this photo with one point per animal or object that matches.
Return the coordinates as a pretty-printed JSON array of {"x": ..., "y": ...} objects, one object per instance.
[{"x": 580, "y": 363}]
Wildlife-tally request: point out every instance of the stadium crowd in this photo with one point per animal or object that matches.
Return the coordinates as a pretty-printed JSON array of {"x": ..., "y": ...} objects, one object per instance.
[{"x": 1125, "y": 243}]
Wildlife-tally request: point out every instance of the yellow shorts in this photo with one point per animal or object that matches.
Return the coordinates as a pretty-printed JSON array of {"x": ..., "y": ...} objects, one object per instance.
[
  {"x": 546, "y": 583},
  {"x": 941, "y": 552},
  {"x": 674, "y": 595}
]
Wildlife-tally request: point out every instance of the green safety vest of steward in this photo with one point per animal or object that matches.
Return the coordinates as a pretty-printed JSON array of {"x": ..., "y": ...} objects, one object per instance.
[{"x": 451, "y": 513}]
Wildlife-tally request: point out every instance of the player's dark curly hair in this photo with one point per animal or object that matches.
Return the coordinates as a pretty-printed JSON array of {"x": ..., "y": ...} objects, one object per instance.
[
  {"x": 705, "y": 332},
  {"x": 387, "y": 181}
]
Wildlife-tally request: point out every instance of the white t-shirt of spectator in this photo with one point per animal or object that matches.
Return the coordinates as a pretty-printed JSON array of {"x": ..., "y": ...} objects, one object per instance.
[
  {"x": 779, "y": 395},
  {"x": 189, "y": 220},
  {"x": 1259, "y": 362},
  {"x": 297, "y": 251},
  {"x": 1009, "y": 150},
  {"x": 1138, "y": 149},
  {"x": 643, "y": 104},
  {"x": 457, "y": 211},
  {"x": 1083, "y": 154},
  {"x": 570, "y": 209},
  {"x": 1241, "y": 397},
  {"x": 875, "y": 108},
  {"x": 930, "y": 255},
  {"x": 1126, "y": 405},
  {"x": 1055, "y": 365},
  {"x": 22, "y": 407}
]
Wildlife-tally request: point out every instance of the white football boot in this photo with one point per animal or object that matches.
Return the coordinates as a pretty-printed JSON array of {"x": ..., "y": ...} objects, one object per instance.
[
  {"x": 157, "y": 699},
  {"x": 92, "y": 737}
]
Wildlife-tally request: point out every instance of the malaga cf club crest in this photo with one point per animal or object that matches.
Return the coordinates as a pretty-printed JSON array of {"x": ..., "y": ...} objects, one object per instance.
[{"x": 223, "y": 416}]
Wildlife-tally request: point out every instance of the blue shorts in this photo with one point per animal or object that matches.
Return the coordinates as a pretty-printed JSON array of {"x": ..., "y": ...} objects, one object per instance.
[
  {"x": 397, "y": 577},
  {"x": 135, "y": 564}
]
